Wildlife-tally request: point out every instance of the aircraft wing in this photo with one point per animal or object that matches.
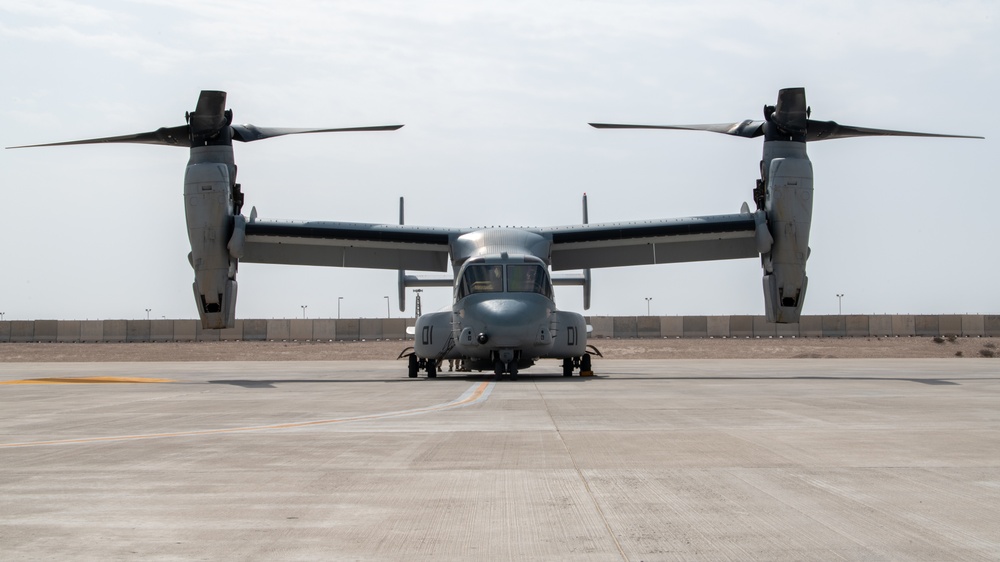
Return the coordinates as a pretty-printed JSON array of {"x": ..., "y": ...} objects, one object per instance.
[
  {"x": 342, "y": 244},
  {"x": 717, "y": 237}
]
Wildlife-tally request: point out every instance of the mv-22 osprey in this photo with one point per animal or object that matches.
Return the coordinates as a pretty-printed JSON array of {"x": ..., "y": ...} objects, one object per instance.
[{"x": 503, "y": 316}]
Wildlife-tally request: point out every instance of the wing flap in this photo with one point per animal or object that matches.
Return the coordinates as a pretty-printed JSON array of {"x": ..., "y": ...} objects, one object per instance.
[
  {"x": 652, "y": 242},
  {"x": 373, "y": 246}
]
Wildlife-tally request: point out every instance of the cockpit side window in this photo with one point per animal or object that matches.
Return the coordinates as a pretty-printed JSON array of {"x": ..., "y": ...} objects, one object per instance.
[
  {"x": 481, "y": 279},
  {"x": 528, "y": 279}
]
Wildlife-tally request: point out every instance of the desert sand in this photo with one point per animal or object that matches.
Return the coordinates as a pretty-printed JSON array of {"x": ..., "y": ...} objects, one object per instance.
[{"x": 699, "y": 348}]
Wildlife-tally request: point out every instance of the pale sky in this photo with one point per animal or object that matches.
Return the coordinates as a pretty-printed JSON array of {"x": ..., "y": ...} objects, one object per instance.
[{"x": 495, "y": 97}]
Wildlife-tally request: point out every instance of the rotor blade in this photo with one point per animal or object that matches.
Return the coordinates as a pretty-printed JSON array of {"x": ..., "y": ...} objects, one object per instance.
[
  {"x": 825, "y": 130},
  {"x": 747, "y": 128},
  {"x": 248, "y": 133},
  {"x": 173, "y": 136}
]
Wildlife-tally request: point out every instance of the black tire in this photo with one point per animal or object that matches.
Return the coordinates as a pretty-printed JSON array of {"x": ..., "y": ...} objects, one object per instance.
[
  {"x": 567, "y": 367},
  {"x": 432, "y": 372},
  {"x": 585, "y": 363},
  {"x": 412, "y": 367}
]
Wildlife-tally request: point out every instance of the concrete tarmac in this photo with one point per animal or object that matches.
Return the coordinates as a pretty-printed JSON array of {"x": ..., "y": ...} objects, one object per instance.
[{"x": 811, "y": 459}]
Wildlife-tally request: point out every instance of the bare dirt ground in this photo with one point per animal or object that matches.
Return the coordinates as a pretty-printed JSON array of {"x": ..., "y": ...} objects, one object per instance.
[{"x": 708, "y": 348}]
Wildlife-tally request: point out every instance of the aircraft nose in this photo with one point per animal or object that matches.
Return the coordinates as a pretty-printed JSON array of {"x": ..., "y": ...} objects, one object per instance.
[{"x": 504, "y": 322}]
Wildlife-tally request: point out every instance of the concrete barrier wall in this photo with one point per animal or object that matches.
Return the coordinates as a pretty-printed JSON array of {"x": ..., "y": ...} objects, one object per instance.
[
  {"x": 22, "y": 331},
  {"x": 973, "y": 325},
  {"x": 185, "y": 330},
  {"x": 349, "y": 329},
  {"x": 718, "y": 326},
  {"x": 68, "y": 331},
  {"x": 324, "y": 330},
  {"x": 355, "y": 329},
  {"x": 162, "y": 330},
  {"x": 672, "y": 326},
  {"x": 603, "y": 326},
  {"x": 235, "y": 333},
  {"x": 92, "y": 332},
  {"x": 278, "y": 330},
  {"x": 115, "y": 330},
  {"x": 811, "y": 327},
  {"x": 255, "y": 330},
  {"x": 741, "y": 326},
  {"x": 137, "y": 330},
  {"x": 763, "y": 329},
  {"x": 950, "y": 325},
  {"x": 300, "y": 330},
  {"x": 201, "y": 334},
  {"x": 880, "y": 325},
  {"x": 46, "y": 330},
  {"x": 926, "y": 325},
  {"x": 904, "y": 326},
  {"x": 626, "y": 327},
  {"x": 394, "y": 329},
  {"x": 370, "y": 329},
  {"x": 991, "y": 325},
  {"x": 695, "y": 326}
]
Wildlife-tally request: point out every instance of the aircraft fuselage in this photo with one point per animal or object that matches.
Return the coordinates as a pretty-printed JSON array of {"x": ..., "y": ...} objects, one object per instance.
[{"x": 503, "y": 318}]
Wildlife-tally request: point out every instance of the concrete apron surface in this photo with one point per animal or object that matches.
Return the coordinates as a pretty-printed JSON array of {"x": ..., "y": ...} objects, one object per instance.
[{"x": 787, "y": 459}]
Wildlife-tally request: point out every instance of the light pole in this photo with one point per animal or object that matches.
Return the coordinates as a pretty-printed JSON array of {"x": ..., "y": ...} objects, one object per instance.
[
  {"x": 840, "y": 307},
  {"x": 147, "y": 313},
  {"x": 388, "y": 314},
  {"x": 416, "y": 308},
  {"x": 304, "y": 307},
  {"x": 338, "y": 306},
  {"x": 647, "y": 304}
]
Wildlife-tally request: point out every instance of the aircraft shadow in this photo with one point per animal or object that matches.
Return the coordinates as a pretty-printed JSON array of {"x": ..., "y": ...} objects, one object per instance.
[
  {"x": 272, "y": 383},
  {"x": 557, "y": 378}
]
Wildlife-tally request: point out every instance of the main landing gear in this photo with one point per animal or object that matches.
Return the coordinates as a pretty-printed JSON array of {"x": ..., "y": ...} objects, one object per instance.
[
  {"x": 415, "y": 364},
  {"x": 583, "y": 363}
]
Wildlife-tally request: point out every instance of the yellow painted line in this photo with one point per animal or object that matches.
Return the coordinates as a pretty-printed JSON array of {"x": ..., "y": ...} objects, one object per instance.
[
  {"x": 86, "y": 380},
  {"x": 473, "y": 395}
]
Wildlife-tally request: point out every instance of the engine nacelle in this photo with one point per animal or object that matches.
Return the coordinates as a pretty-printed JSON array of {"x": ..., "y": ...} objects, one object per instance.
[
  {"x": 789, "y": 215},
  {"x": 208, "y": 206},
  {"x": 569, "y": 331},
  {"x": 432, "y": 333}
]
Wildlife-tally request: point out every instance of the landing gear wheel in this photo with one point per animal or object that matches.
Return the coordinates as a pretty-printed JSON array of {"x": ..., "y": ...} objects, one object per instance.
[
  {"x": 432, "y": 372},
  {"x": 567, "y": 367},
  {"x": 498, "y": 369},
  {"x": 512, "y": 369},
  {"x": 412, "y": 367},
  {"x": 585, "y": 363}
]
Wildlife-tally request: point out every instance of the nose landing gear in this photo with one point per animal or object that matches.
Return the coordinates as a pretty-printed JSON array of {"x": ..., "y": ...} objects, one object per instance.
[
  {"x": 505, "y": 361},
  {"x": 499, "y": 368}
]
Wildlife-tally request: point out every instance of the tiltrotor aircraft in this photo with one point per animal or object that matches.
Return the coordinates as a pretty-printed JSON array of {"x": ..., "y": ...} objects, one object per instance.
[{"x": 503, "y": 317}]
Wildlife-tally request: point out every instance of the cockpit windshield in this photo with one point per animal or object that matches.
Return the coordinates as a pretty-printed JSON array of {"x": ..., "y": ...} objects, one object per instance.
[
  {"x": 520, "y": 278},
  {"x": 528, "y": 278},
  {"x": 481, "y": 279}
]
